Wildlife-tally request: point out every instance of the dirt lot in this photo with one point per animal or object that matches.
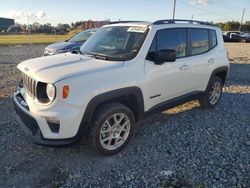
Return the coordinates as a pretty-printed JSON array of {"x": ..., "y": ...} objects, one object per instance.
[
  {"x": 185, "y": 145},
  {"x": 238, "y": 51}
]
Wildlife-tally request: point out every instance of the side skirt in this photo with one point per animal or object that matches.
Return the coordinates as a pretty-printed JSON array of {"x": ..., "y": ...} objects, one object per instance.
[{"x": 174, "y": 102}]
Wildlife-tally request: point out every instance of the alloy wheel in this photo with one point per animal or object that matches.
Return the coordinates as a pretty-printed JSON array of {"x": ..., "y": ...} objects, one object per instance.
[
  {"x": 215, "y": 93},
  {"x": 115, "y": 131}
]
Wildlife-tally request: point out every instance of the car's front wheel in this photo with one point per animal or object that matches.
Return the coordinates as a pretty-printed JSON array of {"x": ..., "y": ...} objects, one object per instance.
[
  {"x": 112, "y": 128},
  {"x": 213, "y": 93}
]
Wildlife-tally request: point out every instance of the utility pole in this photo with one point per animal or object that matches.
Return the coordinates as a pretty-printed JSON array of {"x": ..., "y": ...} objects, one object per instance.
[
  {"x": 55, "y": 34},
  {"x": 29, "y": 30},
  {"x": 192, "y": 17},
  {"x": 174, "y": 9},
  {"x": 242, "y": 19}
]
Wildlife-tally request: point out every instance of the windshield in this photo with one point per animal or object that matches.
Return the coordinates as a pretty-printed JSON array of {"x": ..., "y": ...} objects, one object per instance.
[
  {"x": 117, "y": 43},
  {"x": 82, "y": 37}
]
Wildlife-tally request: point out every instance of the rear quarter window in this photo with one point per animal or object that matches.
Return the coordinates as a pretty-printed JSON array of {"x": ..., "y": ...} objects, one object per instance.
[{"x": 213, "y": 38}]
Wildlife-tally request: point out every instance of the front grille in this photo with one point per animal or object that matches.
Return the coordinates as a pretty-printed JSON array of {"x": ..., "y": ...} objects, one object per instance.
[{"x": 30, "y": 85}]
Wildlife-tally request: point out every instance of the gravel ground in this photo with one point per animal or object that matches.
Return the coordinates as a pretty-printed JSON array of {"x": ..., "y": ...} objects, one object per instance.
[
  {"x": 183, "y": 147},
  {"x": 238, "y": 51}
]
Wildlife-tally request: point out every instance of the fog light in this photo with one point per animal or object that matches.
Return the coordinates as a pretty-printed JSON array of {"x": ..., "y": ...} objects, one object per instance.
[{"x": 54, "y": 125}]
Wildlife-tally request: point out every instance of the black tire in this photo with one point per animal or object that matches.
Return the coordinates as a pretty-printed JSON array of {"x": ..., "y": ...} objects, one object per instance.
[
  {"x": 103, "y": 113},
  {"x": 205, "y": 101},
  {"x": 243, "y": 40}
]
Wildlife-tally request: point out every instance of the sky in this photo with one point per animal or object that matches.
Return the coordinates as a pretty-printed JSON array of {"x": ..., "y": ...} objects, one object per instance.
[{"x": 68, "y": 11}]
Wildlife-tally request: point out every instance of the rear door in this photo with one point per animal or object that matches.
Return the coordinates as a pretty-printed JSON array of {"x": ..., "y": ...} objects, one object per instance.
[{"x": 201, "y": 58}]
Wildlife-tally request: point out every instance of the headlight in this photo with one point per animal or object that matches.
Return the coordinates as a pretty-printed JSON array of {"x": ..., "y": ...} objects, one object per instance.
[
  {"x": 51, "y": 91},
  {"x": 49, "y": 51}
]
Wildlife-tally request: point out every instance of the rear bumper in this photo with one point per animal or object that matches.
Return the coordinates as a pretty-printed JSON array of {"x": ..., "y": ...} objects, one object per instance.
[{"x": 31, "y": 127}]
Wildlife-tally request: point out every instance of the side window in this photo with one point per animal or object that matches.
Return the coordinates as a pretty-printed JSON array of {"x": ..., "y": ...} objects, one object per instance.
[
  {"x": 175, "y": 39},
  {"x": 199, "y": 41},
  {"x": 213, "y": 38}
]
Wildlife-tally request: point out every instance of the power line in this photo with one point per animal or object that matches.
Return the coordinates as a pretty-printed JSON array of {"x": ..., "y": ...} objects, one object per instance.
[
  {"x": 229, "y": 5},
  {"x": 200, "y": 9},
  {"x": 226, "y": 6},
  {"x": 216, "y": 14},
  {"x": 208, "y": 12},
  {"x": 232, "y": 7}
]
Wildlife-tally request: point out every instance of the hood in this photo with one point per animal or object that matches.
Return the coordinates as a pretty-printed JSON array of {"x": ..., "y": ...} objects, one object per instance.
[
  {"x": 64, "y": 45},
  {"x": 50, "y": 69}
]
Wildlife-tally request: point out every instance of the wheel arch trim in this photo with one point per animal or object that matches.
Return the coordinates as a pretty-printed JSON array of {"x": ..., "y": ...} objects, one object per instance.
[
  {"x": 218, "y": 70},
  {"x": 111, "y": 96}
]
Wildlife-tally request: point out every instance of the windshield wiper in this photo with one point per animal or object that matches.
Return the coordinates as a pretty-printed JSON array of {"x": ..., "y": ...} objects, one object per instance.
[{"x": 100, "y": 56}]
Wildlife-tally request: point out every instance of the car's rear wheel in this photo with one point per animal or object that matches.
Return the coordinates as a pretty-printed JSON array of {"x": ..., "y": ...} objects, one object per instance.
[
  {"x": 213, "y": 93},
  {"x": 243, "y": 40},
  {"x": 112, "y": 128}
]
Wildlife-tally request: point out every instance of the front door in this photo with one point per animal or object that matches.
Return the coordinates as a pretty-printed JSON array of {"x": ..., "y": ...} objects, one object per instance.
[{"x": 170, "y": 79}]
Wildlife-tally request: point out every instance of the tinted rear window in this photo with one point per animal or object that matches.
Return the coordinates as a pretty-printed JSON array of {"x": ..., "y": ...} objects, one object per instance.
[{"x": 199, "y": 41}]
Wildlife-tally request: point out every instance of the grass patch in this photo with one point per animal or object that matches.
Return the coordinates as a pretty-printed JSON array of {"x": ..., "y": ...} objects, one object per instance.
[{"x": 34, "y": 39}]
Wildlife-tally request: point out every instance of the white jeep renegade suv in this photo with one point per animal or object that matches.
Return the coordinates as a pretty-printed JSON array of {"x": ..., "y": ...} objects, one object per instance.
[{"x": 123, "y": 72}]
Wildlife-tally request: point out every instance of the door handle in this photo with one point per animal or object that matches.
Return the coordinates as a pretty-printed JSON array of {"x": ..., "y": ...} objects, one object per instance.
[
  {"x": 185, "y": 67},
  {"x": 211, "y": 61}
]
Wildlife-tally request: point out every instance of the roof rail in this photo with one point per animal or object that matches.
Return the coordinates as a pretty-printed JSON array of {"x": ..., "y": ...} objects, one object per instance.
[
  {"x": 116, "y": 22},
  {"x": 172, "y": 21}
]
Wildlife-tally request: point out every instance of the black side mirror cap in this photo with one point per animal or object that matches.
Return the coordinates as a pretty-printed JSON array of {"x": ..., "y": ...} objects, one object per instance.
[
  {"x": 76, "y": 50},
  {"x": 151, "y": 56},
  {"x": 165, "y": 55}
]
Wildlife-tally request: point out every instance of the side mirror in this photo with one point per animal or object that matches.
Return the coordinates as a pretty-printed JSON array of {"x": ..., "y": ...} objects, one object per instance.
[
  {"x": 165, "y": 55},
  {"x": 76, "y": 50}
]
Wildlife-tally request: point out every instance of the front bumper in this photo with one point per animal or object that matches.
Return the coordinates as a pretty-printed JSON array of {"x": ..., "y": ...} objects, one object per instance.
[{"x": 31, "y": 126}]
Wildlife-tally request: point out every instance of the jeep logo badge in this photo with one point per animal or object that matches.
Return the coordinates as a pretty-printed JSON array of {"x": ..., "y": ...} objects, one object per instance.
[{"x": 26, "y": 69}]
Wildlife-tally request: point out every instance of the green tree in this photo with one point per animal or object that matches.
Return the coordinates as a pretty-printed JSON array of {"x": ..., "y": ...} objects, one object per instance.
[
  {"x": 231, "y": 26},
  {"x": 220, "y": 25}
]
